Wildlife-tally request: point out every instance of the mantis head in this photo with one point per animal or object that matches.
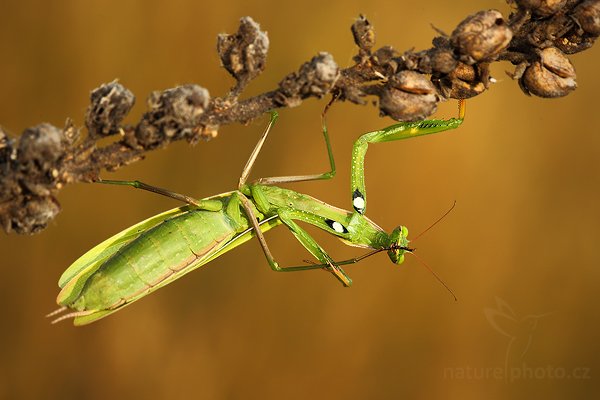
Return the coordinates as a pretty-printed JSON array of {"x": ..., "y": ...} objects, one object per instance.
[{"x": 398, "y": 244}]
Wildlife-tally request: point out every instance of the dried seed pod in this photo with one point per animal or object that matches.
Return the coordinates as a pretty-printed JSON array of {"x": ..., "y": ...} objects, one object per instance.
[
  {"x": 364, "y": 33},
  {"x": 110, "y": 103},
  {"x": 442, "y": 60},
  {"x": 34, "y": 162},
  {"x": 408, "y": 96},
  {"x": 587, "y": 15},
  {"x": 552, "y": 76},
  {"x": 30, "y": 215},
  {"x": 6, "y": 149},
  {"x": 574, "y": 43},
  {"x": 441, "y": 42},
  {"x": 481, "y": 36},
  {"x": 3, "y": 138},
  {"x": 188, "y": 102},
  {"x": 555, "y": 61},
  {"x": 430, "y": 61},
  {"x": 244, "y": 54},
  {"x": 542, "y": 8},
  {"x": 384, "y": 57},
  {"x": 315, "y": 78},
  {"x": 173, "y": 113},
  {"x": 39, "y": 149},
  {"x": 462, "y": 83}
]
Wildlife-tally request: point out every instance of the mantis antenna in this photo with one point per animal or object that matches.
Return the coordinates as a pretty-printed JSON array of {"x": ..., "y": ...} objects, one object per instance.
[
  {"x": 435, "y": 223},
  {"x": 434, "y": 274}
]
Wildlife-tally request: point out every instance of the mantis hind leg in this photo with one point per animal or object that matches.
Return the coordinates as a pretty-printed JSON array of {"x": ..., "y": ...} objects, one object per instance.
[{"x": 209, "y": 205}]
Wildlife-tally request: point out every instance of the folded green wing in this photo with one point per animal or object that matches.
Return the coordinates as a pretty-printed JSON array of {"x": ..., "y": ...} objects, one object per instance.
[
  {"x": 93, "y": 315},
  {"x": 97, "y": 255},
  {"x": 73, "y": 279},
  {"x": 107, "y": 248}
]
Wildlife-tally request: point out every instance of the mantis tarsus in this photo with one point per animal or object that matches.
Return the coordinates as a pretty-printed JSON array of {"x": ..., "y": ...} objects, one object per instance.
[{"x": 160, "y": 249}]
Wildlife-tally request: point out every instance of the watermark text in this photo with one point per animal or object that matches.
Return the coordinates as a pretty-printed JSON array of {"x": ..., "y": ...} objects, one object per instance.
[{"x": 516, "y": 373}]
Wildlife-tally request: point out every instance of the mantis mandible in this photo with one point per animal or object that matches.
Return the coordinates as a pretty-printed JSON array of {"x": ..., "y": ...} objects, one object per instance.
[{"x": 163, "y": 248}]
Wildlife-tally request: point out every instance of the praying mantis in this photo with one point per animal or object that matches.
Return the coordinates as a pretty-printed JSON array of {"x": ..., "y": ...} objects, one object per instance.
[{"x": 155, "y": 252}]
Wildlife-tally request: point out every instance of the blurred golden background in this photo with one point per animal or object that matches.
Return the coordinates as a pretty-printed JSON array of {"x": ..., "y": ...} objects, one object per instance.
[{"x": 520, "y": 249}]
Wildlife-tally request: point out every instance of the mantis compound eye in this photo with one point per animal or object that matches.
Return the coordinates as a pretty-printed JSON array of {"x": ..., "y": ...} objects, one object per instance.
[
  {"x": 397, "y": 256},
  {"x": 398, "y": 244}
]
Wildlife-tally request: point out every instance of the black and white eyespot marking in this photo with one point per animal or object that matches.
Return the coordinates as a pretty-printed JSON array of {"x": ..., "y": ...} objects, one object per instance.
[
  {"x": 358, "y": 201},
  {"x": 336, "y": 226}
]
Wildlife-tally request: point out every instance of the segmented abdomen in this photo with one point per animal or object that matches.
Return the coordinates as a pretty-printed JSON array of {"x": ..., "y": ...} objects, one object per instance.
[{"x": 164, "y": 252}]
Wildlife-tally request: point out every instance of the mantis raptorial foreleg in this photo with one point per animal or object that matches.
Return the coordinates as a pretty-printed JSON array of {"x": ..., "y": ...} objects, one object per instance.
[
  {"x": 399, "y": 131},
  {"x": 303, "y": 237},
  {"x": 288, "y": 216}
]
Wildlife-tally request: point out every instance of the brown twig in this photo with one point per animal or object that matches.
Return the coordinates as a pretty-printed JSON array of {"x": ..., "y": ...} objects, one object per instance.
[{"x": 537, "y": 37}]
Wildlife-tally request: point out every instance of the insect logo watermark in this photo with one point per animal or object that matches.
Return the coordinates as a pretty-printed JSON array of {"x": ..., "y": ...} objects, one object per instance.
[{"x": 520, "y": 333}]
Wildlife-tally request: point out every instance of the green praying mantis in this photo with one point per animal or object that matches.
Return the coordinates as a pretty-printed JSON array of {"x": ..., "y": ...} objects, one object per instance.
[{"x": 163, "y": 248}]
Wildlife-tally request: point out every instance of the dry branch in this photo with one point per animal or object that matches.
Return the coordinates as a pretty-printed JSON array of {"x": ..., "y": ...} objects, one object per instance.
[{"x": 536, "y": 38}]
